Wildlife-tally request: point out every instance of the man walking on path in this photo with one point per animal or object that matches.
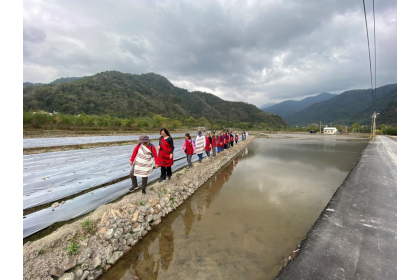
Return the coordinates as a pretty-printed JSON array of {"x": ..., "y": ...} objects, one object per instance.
[
  {"x": 200, "y": 142},
  {"x": 142, "y": 163}
]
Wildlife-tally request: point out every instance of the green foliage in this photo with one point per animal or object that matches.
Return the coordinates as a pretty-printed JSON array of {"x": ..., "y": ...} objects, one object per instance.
[
  {"x": 41, "y": 252},
  {"x": 73, "y": 249},
  {"x": 390, "y": 131},
  {"x": 143, "y": 203},
  {"x": 88, "y": 225},
  {"x": 114, "y": 99}
]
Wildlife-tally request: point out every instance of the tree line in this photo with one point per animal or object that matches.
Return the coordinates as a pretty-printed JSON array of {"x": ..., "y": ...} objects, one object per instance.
[{"x": 45, "y": 120}]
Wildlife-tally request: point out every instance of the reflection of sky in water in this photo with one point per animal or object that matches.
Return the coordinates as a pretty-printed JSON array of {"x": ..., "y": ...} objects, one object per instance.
[{"x": 247, "y": 218}]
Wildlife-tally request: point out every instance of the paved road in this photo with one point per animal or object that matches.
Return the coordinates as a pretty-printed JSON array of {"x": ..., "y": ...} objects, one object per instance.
[{"x": 356, "y": 237}]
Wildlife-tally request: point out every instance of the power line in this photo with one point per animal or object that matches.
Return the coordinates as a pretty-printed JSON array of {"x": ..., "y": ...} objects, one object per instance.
[
  {"x": 370, "y": 60},
  {"x": 374, "y": 40}
]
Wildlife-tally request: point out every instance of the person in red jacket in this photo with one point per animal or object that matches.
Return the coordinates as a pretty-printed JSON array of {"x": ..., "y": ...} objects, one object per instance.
[
  {"x": 189, "y": 148},
  {"x": 142, "y": 163},
  {"x": 225, "y": 141},
  {"x": 219, "y": 142},
  {"x": 236, "y": 137},
  {"x": 207, "y": 146},
  {"x": 166, "y": 155},
  {"x": 213, "y": 143}
]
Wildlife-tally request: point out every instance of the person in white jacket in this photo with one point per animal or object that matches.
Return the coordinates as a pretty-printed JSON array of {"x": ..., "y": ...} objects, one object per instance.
[{"x": 200, "y": 142}]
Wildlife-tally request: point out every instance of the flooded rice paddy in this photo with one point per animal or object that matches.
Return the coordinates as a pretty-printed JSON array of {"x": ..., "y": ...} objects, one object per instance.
[{"x": 248, "y": 218}]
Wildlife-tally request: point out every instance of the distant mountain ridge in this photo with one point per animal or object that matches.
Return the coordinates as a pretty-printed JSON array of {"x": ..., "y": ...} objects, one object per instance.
[
  {"x": 129, "y": 95},
  {"x": 267, "y": 105},
  {"x": 25, "y": 84},
  {"x": 56, "y": 81},
  {"x": 288, "y": 107},
  {"x": 349, "y": 107}
]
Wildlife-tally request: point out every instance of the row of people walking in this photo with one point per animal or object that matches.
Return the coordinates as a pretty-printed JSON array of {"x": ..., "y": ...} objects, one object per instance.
[{"x": 145, "y": 153}]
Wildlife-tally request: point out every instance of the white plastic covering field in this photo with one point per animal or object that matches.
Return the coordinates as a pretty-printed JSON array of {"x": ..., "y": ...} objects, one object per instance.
[
  {"x": 85, "y": 203},
  {"x": 60, "y": 141},
  {"x": 61, "y": 173},
  {"x": 49, "y": 177}
]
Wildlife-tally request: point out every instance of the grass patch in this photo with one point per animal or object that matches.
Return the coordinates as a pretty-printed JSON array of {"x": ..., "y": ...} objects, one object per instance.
[
  {"x": 142, "y": 203},
  {"x": 41, "y": 252},
  {"x": 73, "y": 249},
  {"x": 88, "y": 225}
]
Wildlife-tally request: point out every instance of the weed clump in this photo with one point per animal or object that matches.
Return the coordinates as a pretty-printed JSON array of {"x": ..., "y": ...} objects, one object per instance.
[
  {"x": 88, "y": 225},
  {"x": 73, "y": 249}
]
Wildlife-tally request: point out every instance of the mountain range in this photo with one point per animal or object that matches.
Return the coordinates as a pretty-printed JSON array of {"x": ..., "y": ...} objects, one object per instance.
[
  {"x": 128, "y": 95},
  {"x": 288, "y": 107},
  {"x": 350, "y": 107}
]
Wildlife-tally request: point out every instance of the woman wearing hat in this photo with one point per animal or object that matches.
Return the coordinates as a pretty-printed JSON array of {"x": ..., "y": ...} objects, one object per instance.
[
  {"x": 142, "y": 163},
  {"x": 166, "y": 154},
  {"x": 200, "y": 142}
]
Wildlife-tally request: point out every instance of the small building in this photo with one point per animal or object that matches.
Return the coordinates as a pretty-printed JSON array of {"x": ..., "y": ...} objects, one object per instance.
[{"x": 330, "y": 130}]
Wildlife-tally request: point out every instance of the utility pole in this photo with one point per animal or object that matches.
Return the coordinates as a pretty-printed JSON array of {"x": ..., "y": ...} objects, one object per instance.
[{"x": 374, "y": 125}]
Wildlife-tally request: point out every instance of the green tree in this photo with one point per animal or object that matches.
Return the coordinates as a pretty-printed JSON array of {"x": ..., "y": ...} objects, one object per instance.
[
  {"x": 191, "y": 121},
  {"x": 356, "y": 127},
  {"x": 176, "y": 124}
]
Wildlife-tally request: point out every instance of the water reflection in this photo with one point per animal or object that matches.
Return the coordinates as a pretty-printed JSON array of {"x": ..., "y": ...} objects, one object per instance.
[
  {"x": 156, "y": 251},
  {"x": 247, "y": 218}
]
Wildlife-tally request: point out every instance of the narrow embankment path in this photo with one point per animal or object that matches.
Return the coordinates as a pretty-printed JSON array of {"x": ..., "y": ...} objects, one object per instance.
[{"x": 356, "y": 237}]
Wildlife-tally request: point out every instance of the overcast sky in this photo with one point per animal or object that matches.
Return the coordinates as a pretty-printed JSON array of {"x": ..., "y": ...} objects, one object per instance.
[{"x": 253, "y": 51}]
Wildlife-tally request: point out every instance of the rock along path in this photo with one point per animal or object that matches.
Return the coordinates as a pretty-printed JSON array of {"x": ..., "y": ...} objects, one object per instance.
[{"x": 356, "y": 236}]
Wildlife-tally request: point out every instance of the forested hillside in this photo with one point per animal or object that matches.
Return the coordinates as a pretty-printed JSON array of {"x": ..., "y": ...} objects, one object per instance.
[
  {"x": 346, "y": 108},
  {"x": 128, "y": 95},
  {"x": 388, "y": 116}
]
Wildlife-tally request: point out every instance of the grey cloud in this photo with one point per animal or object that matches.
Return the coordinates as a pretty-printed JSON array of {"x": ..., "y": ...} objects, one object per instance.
[
  {"x": 33, "y": 34},
  {"x": 258, "y": 52}
]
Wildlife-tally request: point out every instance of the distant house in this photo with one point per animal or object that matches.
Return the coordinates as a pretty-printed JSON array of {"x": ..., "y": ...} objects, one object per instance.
[{"x": 330, "y": 130}]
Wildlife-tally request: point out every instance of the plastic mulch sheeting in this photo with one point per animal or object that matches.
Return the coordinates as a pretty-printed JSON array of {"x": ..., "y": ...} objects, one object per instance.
[
  {"x": 51, "y": 176},
  {"x": 61, "y": 141},
  {"x": 85, "y": 203}
]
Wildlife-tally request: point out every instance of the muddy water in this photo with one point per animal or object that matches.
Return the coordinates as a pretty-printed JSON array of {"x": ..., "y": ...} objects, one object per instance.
[{"x": 246, "y": 219}]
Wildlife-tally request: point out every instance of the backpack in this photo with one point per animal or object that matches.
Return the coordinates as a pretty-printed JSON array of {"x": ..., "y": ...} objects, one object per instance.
[{"x": 191, "y": 142}]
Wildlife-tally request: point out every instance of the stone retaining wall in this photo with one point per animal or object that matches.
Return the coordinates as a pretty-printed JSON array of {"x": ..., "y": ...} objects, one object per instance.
[{"x": 118, "y": 226}]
